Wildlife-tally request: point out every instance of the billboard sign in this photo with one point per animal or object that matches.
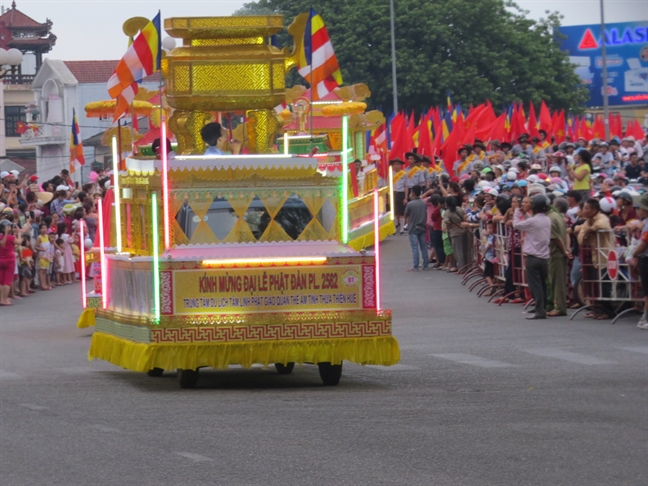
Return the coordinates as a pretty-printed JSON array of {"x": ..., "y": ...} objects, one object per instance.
[{"x": 627, "y": 60}]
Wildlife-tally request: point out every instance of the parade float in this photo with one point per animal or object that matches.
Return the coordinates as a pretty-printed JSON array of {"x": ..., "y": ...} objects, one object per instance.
[{"x": 209, "y": 261}]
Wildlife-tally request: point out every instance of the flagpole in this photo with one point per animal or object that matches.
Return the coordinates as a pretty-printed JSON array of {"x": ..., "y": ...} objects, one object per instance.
[
  {"x": 606, "y": 108},
  {"x": 312, "y": 88},
  {"x": 133, "y": 127},
  {"x": 393, "y": 53},
  {"x": 119, "y": 142}
]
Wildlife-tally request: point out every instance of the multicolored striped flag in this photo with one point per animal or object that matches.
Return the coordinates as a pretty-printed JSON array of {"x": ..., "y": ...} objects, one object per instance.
[
  {"x": 317, "y": 62},
  {"x": 124, "y": 101},
  {"x": 76, "y": 147},
  {"x": 141, "y": 59}
]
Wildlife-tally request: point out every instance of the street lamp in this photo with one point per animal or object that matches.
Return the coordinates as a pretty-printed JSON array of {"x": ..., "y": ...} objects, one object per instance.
[{"x": 8, "y": 62}]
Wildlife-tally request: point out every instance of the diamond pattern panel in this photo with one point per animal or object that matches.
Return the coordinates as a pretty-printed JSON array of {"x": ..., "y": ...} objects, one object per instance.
[
  {"x": 240, "y": 233},
  {"x": 241, "y": 204},
  {"x": 274, "y": 232},
  {"x": 221, "y": 217},
  {"x": 209, "y": 217},
  {"x": 313, "y": 201},
  {"x": 294, "y": 216},
  {"x": 273, "y": 202},
  {"x": 326, "y": 215},
  {"x": 202, "y": 234},
  {"x": 314, "y": 232},
  {"x": 257, "y": 218}
]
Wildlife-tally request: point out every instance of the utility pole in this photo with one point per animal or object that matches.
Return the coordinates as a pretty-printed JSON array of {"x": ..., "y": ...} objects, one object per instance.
[
  {"x": 393, "y": 49},
  {"x": 606, "y": 108}
]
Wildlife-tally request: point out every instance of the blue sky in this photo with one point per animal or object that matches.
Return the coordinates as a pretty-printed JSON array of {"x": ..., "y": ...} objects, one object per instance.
[{"x": 91, "y": 29}]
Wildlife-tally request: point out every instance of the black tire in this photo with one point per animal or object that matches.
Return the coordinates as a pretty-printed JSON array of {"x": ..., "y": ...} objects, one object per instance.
[
  {"x": 155, "y": 372},
  {"x": 330, "y": 374},
  {"x": 188, "y": 378},
  {"x": 284, "y": 369},
  {"x": 578, "y": 291}
]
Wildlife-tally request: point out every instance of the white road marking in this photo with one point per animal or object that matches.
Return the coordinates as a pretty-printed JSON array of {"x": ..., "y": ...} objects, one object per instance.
[
  {"x": 194, "y": 457},
  {"x": 636, "y": 349},
  {"x": 474, "y": 360},
  {"x": 31, "y": 406},
  {"x": 568, "y": 356},
  {"x": 396, "y": 367},
  {"x": 6, "y": 375}
]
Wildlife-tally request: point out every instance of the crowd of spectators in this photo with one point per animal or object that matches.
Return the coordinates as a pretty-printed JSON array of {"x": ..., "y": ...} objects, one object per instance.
[
  {"x": 40, "y": 231},
  {"x": 590, "y": 195}
]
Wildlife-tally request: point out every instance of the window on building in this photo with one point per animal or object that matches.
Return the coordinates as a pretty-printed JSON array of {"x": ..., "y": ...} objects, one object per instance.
[{"x": 13, "y": 115}]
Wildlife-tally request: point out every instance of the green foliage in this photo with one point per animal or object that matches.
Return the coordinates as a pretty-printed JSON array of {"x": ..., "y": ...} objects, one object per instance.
[
  {"x": 477, "y": 49},
  {"x": 253, "y": 9}
]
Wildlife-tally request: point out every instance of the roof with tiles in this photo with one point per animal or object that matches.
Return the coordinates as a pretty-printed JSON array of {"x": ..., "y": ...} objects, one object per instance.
[
  {"x": 98, "y": 71},
  {"x": 15, "y": 18}
]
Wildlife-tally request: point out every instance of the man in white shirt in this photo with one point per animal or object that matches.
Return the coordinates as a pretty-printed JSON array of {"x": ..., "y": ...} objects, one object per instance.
[{"x": 535, "y": 246}]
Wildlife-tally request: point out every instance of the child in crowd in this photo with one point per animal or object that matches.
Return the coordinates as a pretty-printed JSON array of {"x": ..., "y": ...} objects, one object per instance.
[
  {"x": 53, "y": 267},
  {"x": 67, "y": 267},
  {"x": 61, "y": 277},
  {"x": 489, "y": 254},
  {"x": 26, "y": 267},
  {"x": 76, "y": 253},
  {"x": 449, "y": 264},
  {"x": 42, "y": 248}
]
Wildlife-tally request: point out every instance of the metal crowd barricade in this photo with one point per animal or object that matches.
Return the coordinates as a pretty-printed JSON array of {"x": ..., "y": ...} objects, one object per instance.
[
  {"x": 516, "y": 266},
  {"x": 476, "y": 272},
  {"x": 471, "y": 269},
  {"x": 476, "y": 267},
  {"x": 607, "y": 281},
  {"x": 502, "y": 254}
]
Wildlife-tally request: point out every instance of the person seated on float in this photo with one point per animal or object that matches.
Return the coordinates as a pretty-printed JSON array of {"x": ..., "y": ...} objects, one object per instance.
[
  {"x": 212, "y": 135},
  {"x": 156, "y": 147}
]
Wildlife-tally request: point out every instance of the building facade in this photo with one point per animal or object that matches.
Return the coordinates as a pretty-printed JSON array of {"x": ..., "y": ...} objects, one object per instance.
[
  {"x": 60, "y": 87},
  {"x": 34, "y": 39}
]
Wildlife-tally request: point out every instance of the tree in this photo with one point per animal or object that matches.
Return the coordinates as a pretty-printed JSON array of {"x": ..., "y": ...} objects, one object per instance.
[
  {"x": 253, "y": 9},
  {"x": 477, "y": 49}
]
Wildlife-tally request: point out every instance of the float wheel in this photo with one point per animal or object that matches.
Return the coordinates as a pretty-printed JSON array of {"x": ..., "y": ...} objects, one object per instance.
[
  {"x": 188, "y": 378},
  {"x": 329, "y": 373},
  {"x": 155, "y": 372},
  {"x": 284, "y": 369}
]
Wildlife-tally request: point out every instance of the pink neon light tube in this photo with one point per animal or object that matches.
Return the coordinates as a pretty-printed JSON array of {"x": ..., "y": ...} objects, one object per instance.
[
  {"x": 102, "y": 254},
  {"x": 165, "y": 185},
  {"x": 84, "y": 298},
  {"x": 377, "y": 245}
]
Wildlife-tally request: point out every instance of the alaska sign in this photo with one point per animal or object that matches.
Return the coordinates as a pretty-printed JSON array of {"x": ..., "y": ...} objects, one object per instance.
[
  {"x": 626, "y": 46},
  {"x": 614, "y": 37}
]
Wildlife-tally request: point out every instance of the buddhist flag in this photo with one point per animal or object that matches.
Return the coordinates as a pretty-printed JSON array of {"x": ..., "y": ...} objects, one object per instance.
[
  {"x": 317, "y": 62},
  {"x": 76, "y": 147},
  {"x": 124, "y": 101},
  {"x": 141, "y": 59}
]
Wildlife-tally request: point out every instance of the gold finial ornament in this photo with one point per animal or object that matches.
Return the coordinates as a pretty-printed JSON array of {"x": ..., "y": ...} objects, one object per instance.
[{"x": 133, "y": 25}]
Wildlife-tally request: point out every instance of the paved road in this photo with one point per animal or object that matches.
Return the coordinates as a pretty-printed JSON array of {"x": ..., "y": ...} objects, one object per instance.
[{"x": 482, "y": 397}]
